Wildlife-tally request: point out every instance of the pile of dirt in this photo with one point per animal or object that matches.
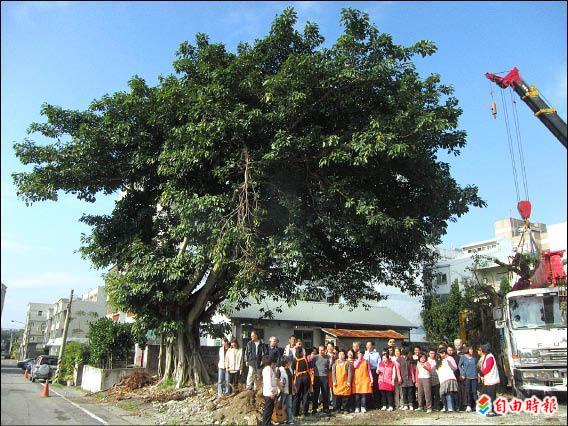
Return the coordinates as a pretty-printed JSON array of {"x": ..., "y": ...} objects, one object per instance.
[
  {"x": 241, "y": 408},
  {"x": 196, "y": 408},
  {"x": 158, "y": 394},
  {"x": 136, "y": 380},
  {"x": 204, "y": 406}
]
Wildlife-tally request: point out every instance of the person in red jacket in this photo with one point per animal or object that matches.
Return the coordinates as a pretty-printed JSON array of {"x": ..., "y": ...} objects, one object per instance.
[{"x": 386, "y": 373}]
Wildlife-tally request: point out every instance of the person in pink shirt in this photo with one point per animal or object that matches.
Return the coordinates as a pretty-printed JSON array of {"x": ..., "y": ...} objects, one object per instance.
[{"x": 386, "y": 373}]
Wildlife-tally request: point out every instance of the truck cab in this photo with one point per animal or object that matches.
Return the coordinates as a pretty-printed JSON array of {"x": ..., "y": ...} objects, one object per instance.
[{"x": 534, "y": 341}]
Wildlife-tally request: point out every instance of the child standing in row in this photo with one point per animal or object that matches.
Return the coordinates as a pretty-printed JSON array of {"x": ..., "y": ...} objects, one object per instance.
[
  {"x": 408, "y": 379},
  {"x": 423, "y": 385},
  {"x": 386, "y": 373},
  {"x": 448, "y": 383},
  {"x": 468, "y": 372}
]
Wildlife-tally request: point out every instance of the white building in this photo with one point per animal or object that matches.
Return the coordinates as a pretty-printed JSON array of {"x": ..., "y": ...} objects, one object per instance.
[
  {"x": 33, "y": 337},
  {"x": 84, "y": 310}
]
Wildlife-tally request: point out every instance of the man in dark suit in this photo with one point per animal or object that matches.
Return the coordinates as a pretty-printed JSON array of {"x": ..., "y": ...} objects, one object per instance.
[{"x": 254, "y": 352}]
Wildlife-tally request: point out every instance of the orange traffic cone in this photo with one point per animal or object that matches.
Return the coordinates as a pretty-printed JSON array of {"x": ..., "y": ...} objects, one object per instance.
[
  {"x": 45, "y": 392},
  {"x": 26, "y": 375}
]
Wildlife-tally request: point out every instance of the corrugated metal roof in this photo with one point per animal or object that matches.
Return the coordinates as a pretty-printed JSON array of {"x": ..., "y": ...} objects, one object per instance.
[
  {"x": 342, "y": 332},
  {"x": 322, "y": 312}
]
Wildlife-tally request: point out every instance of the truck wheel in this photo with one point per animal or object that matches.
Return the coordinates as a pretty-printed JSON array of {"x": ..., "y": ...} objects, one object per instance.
[{"x": 519, "y": 394}]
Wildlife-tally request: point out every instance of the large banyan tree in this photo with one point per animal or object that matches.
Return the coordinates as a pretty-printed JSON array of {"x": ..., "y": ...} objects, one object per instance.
[{"x": 244, "y": 174}]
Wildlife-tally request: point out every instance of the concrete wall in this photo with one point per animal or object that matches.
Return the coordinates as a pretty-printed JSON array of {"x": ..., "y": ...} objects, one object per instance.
[
  {"x": 78, "y": 374},
  {"x": 96, "y": 379}
]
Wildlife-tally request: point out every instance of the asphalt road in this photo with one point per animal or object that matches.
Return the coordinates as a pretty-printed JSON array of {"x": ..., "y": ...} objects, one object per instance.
[{"x": 23, "y": 405}]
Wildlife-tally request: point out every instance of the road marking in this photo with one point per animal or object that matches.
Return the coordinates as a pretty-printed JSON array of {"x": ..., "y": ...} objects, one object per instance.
[{"x": 94, "y": 416}]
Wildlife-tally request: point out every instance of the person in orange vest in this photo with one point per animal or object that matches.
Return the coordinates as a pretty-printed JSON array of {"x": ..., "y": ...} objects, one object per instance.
[
  {"x": 342, "y": 377},
  {"x": 302, "y": 382},
  {"x": 362, "y": 383},
  {"x": 351, "y": 360}
]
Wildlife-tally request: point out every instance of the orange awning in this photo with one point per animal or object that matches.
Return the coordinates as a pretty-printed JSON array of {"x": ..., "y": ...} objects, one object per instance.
[{"x": 378, "y": 334}]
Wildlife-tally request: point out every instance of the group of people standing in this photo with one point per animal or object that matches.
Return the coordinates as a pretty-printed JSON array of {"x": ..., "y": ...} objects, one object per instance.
[{"x": 445, "y": 378}]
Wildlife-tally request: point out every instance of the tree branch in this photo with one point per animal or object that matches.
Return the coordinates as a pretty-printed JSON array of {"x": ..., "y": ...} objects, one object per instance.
[{"x": 215, "y": 276}]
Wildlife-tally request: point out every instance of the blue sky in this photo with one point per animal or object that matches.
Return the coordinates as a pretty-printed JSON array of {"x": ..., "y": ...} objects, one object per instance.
[{"x": 68, "y": 54}]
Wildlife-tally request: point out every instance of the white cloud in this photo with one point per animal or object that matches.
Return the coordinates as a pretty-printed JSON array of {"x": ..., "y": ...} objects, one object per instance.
[
  {"x": 54, "y": 280},
  {"x": 24, "y": 12},
  {"x": 18, "y": 247}
]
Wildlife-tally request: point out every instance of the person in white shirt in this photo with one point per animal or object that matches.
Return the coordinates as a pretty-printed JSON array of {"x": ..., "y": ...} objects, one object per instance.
[
  {"x": 233, "y": 365},
  {"x": 445, "y": 367},
  {"x": 269, "y": 389},
  {"x": 287, "y": 389},
  {"x": 222, "y": 376},
  {"x": 290, "y": 349}
]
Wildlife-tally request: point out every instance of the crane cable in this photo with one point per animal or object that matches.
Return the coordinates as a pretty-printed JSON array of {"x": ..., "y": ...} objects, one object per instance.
[
  {"x": 520, "y": 145},
  {"x": 510, "y": 144},
  {"x": 515, "y": 114}
]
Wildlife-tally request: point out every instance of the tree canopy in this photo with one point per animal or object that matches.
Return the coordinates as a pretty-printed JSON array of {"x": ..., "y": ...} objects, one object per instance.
[{"x": 247, "y": 173}]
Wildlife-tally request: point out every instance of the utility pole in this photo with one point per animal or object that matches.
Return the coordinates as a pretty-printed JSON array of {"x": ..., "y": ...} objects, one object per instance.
[{"x": 65, "y": 327}]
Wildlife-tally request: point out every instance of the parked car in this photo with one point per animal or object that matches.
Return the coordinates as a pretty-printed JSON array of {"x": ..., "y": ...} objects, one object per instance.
[
  {"x": 28, "y": 365},
  {"x": 25, "y": 364},
  {"x": 44, "y": 368}
]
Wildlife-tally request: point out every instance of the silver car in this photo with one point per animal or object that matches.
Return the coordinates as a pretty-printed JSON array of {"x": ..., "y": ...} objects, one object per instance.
[{"x": 44, "y": 368}]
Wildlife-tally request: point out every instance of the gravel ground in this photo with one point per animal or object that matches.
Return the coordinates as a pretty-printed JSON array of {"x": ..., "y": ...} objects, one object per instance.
[
  {"x": 204, "y": 407},
  {"x": 436, "y": 418}
]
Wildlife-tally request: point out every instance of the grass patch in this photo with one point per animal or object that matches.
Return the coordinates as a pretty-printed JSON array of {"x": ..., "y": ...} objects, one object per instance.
[
  {"x": 129, "y": 406},
  {"x": 99, "y": 395},
  {"x": 167, "y": 383}
]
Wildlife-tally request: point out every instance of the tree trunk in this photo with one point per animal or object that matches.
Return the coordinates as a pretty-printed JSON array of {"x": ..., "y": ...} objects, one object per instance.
[
  {"x": 170, "y": 362},
  {"x": 190, "y": 368},
  {"x": 160, "y": 362}
]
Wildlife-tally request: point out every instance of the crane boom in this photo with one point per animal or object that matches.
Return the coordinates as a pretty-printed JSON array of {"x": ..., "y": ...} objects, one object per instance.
[{"x": 530, "y": 95}]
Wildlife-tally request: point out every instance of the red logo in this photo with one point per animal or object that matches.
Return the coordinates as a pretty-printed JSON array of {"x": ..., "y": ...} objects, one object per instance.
[
  {"x": 549, "y": 405},
  {"x": 532, "y": 405},
  {"x": 515, "y": 406},
  {"x": 500, "y": 405}
]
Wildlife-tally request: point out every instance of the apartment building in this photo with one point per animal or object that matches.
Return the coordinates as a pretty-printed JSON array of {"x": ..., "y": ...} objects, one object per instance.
[
  {"x": 514, "y": 230},
  {"x": 33, "y": 338},
  {"x": 84, "y": 310}
]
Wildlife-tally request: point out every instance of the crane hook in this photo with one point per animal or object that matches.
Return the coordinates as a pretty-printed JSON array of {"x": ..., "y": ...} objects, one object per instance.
[{"x": 494, "y": 109}]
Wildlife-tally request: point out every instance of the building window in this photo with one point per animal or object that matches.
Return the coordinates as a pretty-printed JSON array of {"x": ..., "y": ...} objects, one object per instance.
[
  {"x": 441, "y": 279},
  {"x": 39, "y": 313},
  {"x": 332, "y": 299},
  {"x": 246, "y": 330},
  {"x": 307, "y": 337}
]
